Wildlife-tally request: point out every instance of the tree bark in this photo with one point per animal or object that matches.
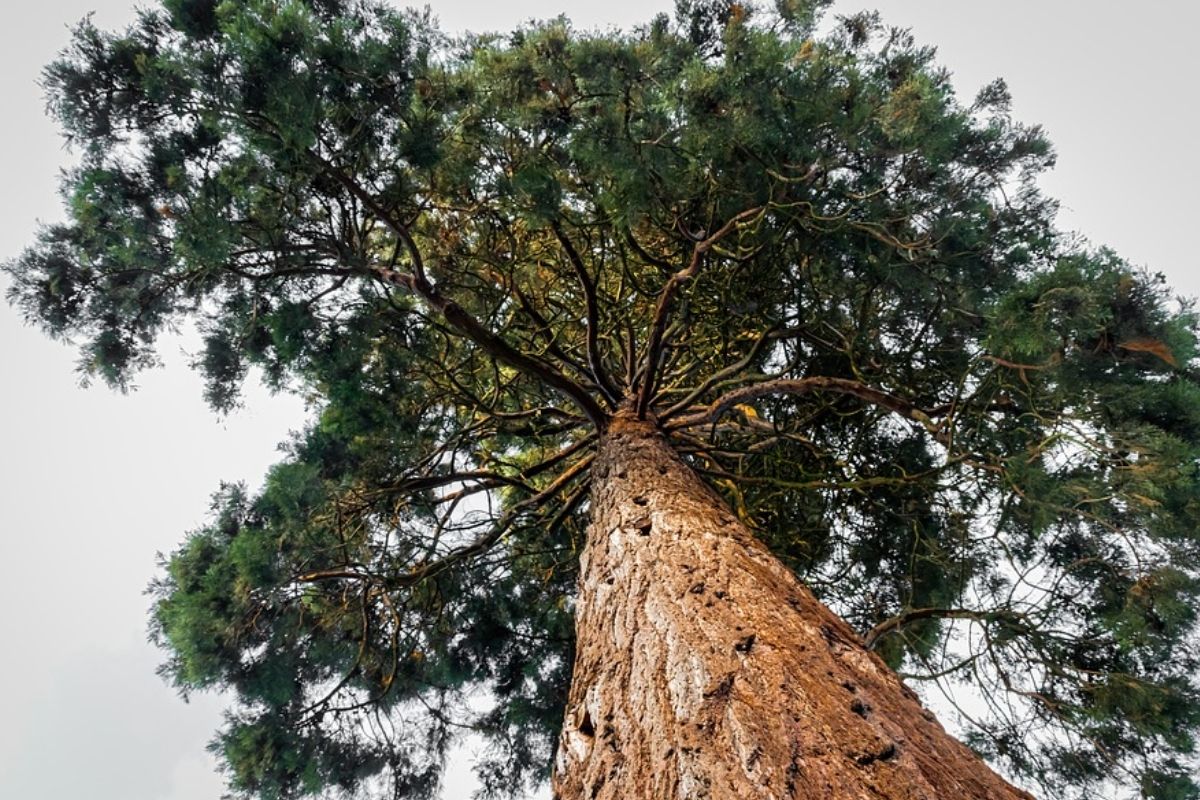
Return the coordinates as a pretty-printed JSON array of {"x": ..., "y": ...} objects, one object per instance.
[{"x": 705, "y": 669}]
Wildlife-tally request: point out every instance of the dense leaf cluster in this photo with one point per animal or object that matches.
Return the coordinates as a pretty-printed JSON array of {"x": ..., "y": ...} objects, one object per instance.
[{"x": 837, "y": 288}]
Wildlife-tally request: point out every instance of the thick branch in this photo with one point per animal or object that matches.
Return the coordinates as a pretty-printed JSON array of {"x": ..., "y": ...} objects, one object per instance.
[
  {"x": 492, "y": 344},
  {"x": 607, "y": 388},
  {"x": 642, "y": 253},
  {"x": 666, "y": 299},
  {"x": 454, "y": 314},
  {"x": 367, "y": 199}
]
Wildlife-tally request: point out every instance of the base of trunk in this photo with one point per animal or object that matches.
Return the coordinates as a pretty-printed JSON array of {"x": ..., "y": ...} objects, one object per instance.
[{"x": 705, "y": 669}]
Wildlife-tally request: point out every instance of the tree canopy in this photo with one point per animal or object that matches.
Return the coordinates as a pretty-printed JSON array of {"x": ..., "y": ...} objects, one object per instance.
[{"x": 834, "y": 284}]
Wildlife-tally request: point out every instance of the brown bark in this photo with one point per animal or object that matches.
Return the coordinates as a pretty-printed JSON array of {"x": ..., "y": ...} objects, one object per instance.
[{"x": 705, "y": 669}]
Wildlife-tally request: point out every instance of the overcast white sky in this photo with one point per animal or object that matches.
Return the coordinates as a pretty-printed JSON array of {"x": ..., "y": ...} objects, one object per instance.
[{"x": 92, "y": 484}]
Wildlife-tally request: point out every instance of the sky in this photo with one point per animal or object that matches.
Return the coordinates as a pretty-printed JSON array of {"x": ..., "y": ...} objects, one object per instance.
[{"x": 93, "y": 483}]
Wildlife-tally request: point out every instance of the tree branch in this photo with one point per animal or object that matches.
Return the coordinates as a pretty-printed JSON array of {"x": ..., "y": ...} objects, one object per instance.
[
  {"x": 893, "y": 624},
  {"x": 717, "y": 377},
  {"x": 603, "y": 382},
  {"x": 546, "y": 331},
  {"x": 427, "y": 569},
  {"x": 666, "y": 299},
  {"x": 454, "y": 314},
  {"x": 805, "y": 386}
]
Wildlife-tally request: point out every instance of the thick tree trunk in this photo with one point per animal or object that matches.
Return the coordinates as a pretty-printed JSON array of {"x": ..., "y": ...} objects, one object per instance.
[{"x": 705, "y": 669}]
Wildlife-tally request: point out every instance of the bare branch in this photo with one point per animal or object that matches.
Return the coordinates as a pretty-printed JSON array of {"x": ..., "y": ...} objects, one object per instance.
[
  {"x": 897, "y": 622},
  {"x": 427, "y": 569},
  {"x": 596, "y": 365},
  {"x": 454, "y": 314},
  {"x": 546, "y": 331},
  {"x": 717, "y": 377},
  {"x": 666, "y": 299},
  {"x": 806, "y": 386}
]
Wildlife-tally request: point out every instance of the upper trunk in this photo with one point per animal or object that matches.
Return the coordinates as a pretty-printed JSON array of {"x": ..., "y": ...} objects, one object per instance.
[{"x": 705, "y": 669}]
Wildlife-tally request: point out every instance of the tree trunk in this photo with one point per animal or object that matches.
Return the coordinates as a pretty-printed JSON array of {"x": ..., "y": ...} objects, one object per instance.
[{"x": 705, "y": 669}]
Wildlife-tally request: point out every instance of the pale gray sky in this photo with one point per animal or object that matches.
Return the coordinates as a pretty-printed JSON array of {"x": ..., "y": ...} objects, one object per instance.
[{"x": 93, "y": 483}]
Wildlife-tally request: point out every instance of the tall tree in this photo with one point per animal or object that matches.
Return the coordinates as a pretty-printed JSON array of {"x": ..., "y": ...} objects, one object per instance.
[{"x": 622, "y": 350}]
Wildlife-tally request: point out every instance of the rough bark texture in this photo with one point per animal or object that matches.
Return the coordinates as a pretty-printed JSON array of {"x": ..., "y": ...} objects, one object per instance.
[{"x": 705, "y": 669}]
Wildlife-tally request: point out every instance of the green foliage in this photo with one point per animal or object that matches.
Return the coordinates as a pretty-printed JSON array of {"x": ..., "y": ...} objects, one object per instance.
[{"x": 467, "y": 253}]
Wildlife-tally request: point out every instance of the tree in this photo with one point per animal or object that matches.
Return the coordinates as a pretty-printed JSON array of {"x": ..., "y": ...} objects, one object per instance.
[{"x": 612, "y": 340}]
